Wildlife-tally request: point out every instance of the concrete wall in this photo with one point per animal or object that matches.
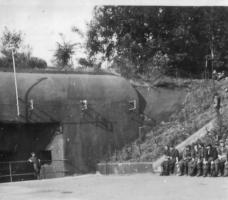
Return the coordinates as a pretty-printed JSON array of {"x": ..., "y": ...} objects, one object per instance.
[
  {"x": 162, "y": 102},
  {"x": 125, "y": 168},
  {"x": 17, "y": 141},
  {"x": 88, "y": 136}
]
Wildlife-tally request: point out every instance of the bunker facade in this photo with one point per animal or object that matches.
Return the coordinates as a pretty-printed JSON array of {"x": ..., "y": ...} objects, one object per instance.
[{"x": 71, "y": 120}]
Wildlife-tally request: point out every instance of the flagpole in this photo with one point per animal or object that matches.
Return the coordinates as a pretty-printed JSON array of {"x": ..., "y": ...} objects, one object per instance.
[{"x": 15, "y": 82}]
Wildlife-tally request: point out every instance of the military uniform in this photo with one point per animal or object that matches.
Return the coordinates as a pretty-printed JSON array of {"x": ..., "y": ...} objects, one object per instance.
[
  {"x": 200, "y": 156},
  {"x": 185, "y": 160},
  {"x": 226, "y": 162},
  {"x": 165, "y": 171},
  {"x": 226, "y": 169},
  {"x": 210, "y": 161},
  {"x": 36, "y": 165},
  {"x": 192, "y": 165},
  {"x": 174, "y": 158},
  {"x": 222, "y": 155}
]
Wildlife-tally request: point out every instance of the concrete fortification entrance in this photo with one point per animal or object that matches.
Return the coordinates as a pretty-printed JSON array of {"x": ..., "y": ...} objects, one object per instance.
[{"x": 72, "y": 120}]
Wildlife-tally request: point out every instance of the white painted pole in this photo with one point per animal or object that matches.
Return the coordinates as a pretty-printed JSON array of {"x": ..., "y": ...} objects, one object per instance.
[{"x": 15, "y": 82}]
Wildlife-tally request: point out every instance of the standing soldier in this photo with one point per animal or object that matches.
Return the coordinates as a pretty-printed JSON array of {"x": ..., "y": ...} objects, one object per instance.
[{"x": 36, "y": 164}]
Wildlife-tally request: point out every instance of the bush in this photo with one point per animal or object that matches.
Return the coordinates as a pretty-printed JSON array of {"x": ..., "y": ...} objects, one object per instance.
[
  {"x": 22, "y": 61},
  {"x": 35, "y": 62}
]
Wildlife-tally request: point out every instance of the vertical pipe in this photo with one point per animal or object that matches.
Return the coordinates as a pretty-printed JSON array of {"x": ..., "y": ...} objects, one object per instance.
[
  {"x": 15, "y": 82},
  {"x": 10, "y": 171}
]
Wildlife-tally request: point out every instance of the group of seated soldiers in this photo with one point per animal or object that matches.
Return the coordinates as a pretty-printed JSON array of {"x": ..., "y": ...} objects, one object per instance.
[{"x": 197, "y": 159}]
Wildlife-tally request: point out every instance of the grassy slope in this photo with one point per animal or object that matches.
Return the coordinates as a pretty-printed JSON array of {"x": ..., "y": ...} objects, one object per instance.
[{"x": 195, "y": 113}]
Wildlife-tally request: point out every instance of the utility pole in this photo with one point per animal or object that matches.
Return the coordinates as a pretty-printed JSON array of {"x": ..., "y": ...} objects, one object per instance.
[{"x": 15, "y": 81}]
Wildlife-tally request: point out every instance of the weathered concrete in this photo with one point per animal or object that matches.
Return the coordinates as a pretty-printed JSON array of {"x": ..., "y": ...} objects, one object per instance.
[
  {"x": 133, "y": 187},
  {"x": 125, "y": 168},
  {"x": 162, "y": 102},
  {"x": 87, "y": 136}
]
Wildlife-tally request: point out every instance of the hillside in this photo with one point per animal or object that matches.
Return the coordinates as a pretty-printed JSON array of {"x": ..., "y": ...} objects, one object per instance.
[{"x": 195, "y": 111}]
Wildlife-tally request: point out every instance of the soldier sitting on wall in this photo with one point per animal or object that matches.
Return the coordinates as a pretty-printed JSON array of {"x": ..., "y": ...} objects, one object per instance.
[
  {"x": 166, "y": 163},
  {"x": 174, "y": 158},
  {"x": 222, "y": 151},
  {"x": 210, "y": 158},
  {"x": 36, "y": 164},
  {"x": 185, "y": 160},
  {"x": 200, "y": 156},
  {"x": 226, "y": 162},
  {"x": 192, "y": 165}
]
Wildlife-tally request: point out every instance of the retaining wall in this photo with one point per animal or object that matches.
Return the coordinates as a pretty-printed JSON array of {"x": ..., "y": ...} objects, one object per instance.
[{"x": 125, "y": 168}]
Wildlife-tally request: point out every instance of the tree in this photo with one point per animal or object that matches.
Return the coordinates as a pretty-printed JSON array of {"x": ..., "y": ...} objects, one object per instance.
[
  {"x": 181, "y": 36},
  {"x": 85, "y": 62},
  {"x": 11, "y": 39},
  {"x": 22, "y": 53},
  {"x": 64, "y": 53}
]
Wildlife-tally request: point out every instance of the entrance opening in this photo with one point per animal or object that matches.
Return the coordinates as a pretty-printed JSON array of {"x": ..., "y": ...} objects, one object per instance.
[
  {"x": 45, "y": 156},
  {"x": 17, "y": 141}
]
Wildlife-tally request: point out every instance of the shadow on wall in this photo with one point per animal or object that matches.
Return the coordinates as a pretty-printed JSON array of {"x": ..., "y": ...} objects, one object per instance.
[
  {"x": 142, "y": 102},
  {"x": 160, "y": 103}
]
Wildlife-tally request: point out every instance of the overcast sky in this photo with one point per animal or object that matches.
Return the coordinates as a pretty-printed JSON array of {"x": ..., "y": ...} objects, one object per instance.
[{"x": 43, "y": 20}]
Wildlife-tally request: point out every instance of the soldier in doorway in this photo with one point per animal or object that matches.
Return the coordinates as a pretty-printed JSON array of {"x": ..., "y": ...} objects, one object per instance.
[{"x": 36, "y": 164}]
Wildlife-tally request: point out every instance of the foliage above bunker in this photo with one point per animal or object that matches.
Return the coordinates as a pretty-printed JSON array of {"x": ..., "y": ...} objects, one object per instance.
[{"x": 168, "y": 38}]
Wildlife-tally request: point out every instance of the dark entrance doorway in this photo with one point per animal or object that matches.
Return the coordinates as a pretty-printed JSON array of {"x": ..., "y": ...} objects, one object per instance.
[{"x": 17, "y": 141}]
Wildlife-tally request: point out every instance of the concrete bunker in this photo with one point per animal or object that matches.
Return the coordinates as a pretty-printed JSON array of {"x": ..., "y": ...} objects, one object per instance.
[{"x": 72, "y": 120}]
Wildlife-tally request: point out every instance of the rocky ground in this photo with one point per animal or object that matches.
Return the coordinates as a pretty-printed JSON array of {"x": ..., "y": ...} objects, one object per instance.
[{"x": 127, "y": 187}]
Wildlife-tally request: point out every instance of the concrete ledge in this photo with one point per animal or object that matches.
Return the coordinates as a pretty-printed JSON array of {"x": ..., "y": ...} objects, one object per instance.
[{"x": 125, "y": 168}]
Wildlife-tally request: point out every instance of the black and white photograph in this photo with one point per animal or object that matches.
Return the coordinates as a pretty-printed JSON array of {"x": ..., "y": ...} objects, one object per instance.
[{"x": 113, "y": 100}]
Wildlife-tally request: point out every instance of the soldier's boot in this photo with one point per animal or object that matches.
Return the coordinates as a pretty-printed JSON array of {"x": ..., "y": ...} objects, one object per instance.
[
  {"x": 181, "y": 165},
  {"x": 178, "y": 171},
  {"x": 171, "y": 167},
  {"x": 221, "y": 168},
  {"x": 191, "y": 171},
  {"x": 186, "y": 169},
  {"x": 226, "y": 169},
  {"x": 217, "y": 168},
  {"x": 205, "y": 169},
  {"x": 213, "y": 170},
  {"x": 165, "y": 168},
  {"x": 199, "y": 169}
]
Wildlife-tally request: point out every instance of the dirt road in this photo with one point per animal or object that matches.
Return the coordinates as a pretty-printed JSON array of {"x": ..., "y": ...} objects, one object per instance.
[{"x": 126, "y": 187}]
